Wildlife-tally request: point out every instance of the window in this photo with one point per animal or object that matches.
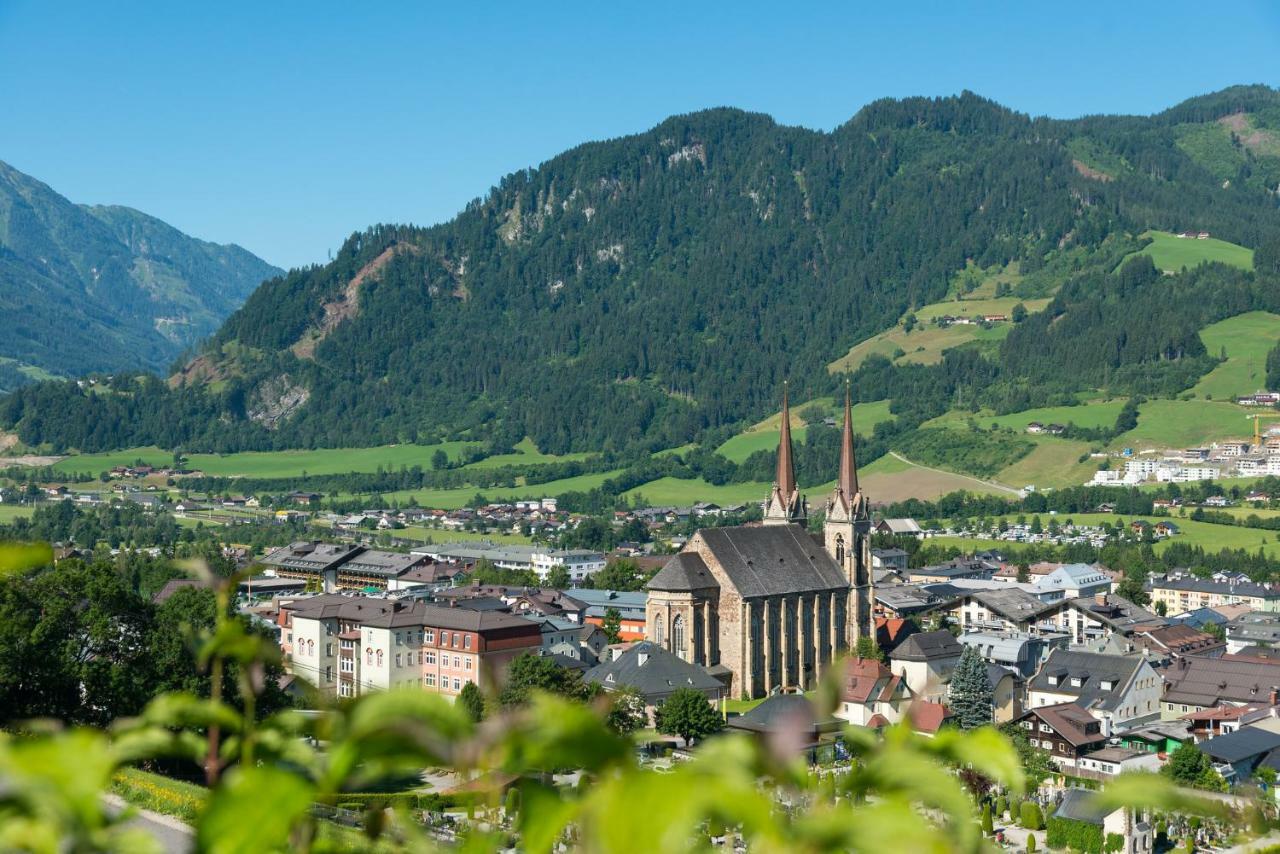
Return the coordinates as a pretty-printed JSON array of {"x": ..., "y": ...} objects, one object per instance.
[
  {"x": 399, "y": 639},
  {"x": 677, "y": 635},
  {"x": 398, "y": 659},
  {"x": 657, "y": 631},
  {"x": 348, "y": 666},
  {"x": 379, "y": 658},
  {"x": 466, "y": 642},
  {"x": 457, "y": 684},
  {"x": 409, "y": 659},
  {"x": 328, "y": 649},
  {"x": 328, "y": 674},
  {"x": 457, "y": 662},
  {"x": 428, "y": 658},
  {"x": 368, "y": 656},
  {"x": 468, "y": 663},
  {"x": 429, "y": 636},
  {"x": 429, "y": 680}
]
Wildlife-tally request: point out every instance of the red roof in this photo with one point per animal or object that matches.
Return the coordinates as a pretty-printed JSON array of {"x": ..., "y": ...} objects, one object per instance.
[
  {"x": 927, "y": 716},
  {"x": 867, "y": 680}
]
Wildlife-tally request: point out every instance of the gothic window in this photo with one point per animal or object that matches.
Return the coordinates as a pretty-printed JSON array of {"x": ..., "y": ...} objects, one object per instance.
[
  {"x": 839, "y": 548},
  {"x": 657, "y": 631},
  {"x": 677, "y": 635}
]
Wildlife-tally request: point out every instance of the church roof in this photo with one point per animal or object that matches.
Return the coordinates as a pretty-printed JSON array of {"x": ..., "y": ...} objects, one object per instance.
[
  {"x": 771, "y": 560},
  {"x": 685, "y": 571}
]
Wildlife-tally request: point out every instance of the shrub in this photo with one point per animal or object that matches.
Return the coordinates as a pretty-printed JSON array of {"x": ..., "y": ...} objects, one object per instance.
[
  {"x": 988, "y": 827},
  {"x": 1001, "y": 808},
  {"x": 1076, "y": 835},
  {"x": 1032, "y": 817},
  {"x": 1031, "y": 843}
]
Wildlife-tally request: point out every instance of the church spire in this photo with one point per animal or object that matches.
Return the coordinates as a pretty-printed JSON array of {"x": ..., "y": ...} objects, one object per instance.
[
  {"x": 847, "y": 482},
  {"x": 785, "y": 505},
  {"x": 786, "y": 476}
]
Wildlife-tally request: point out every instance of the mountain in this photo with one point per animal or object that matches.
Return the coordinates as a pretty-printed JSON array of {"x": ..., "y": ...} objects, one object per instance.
[
  {"x": 93, "y": 288},
  {"x": 638, "y": 292}
]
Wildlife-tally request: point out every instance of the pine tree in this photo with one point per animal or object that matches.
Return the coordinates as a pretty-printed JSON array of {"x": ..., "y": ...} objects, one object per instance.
[{"x": 970, "y": 699}]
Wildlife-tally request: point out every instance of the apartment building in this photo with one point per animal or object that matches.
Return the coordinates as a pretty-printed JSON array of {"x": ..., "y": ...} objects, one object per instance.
[
  {"x": 1186, "y": 594},
  {"x": 351, "y": 645},
  {"x": 337, "y": 566}
]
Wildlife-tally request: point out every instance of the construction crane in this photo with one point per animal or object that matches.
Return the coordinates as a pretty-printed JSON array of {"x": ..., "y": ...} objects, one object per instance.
[{"x": 1257, "y": 418}]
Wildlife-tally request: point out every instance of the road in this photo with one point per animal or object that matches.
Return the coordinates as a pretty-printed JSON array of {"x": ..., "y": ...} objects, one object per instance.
[
  {"x": 990, "y": 483},
  {"x": 172, "y": 835}
]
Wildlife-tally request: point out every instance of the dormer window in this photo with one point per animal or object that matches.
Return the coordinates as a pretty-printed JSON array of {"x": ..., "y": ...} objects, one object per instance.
[
  {"x": 1108, "y": 685},
  {"x": 1053, "y": 679},
  {"x": 1076, "y": 681}
]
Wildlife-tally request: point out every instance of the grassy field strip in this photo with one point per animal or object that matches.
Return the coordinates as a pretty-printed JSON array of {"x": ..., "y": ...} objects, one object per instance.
[
  {"x": 1246, "y": 338},
  {"x": 678, "y": 492},
  {"x": 526, "y": 453},
  {"x": 452, "y": 499},
  {"x": 1184, "y": 424}
]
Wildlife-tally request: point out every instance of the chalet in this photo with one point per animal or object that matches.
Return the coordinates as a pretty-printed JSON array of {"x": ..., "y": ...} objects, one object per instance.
[
  {"x": 1035, "y": 427},
  {"x": 1065, "y": 731},
  {"x": 1055, "y": 429},
  {"x": 1165, "y": 528},
  {"x": 301, "y": 497}
]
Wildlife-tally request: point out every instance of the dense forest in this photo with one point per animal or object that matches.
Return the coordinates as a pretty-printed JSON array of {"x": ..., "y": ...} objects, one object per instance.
[{"x": 634, "y": 294}]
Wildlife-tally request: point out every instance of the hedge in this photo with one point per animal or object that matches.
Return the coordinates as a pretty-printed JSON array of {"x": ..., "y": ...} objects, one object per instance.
[{"x": 1077, "y": 835}]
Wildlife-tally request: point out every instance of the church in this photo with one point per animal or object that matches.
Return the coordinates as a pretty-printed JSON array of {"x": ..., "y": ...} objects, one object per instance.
[{"x": 769, "y": 606}]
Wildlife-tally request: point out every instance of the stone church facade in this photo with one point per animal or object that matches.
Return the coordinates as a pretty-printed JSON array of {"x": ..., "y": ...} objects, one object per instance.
[{"x": 771, "y": 605}]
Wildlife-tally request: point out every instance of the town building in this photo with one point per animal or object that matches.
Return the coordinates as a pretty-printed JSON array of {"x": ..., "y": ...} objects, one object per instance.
[
  {"x": 1189, "y": 593},
  {"x": 1132, "y": 827},
  {"x": 655, "y": 673},
  {"x": 351, "y": 645},
  {"x": 771, "y": 606},
  {"x": 1119, "y": 690},
  {"x": 1065, "y": 731},
  {"x": 925, "y": 661},
  {"x": 1193, "y": 683},
  {"x": 871, "y": 694}
]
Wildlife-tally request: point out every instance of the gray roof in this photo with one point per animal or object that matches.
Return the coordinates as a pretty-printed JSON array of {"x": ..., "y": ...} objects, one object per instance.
[
  {"x": 993, "y": 646},
  {"x": 1241, "y": 744},
  {"x": 1199, "y": 681},
  {"x": 770, "y": 560},
  {"x": 928, "y": 646},
  {"x": 1014, "y": 604},
  {"x": 784, "y": 713},
  {"x": 684, "y": 572},
  {"x": 1092, "y": 669},
  {"x": 389, "y": 564},
  {"x": 1082, "y": 805},
  {"x": 653, "y": 671}
]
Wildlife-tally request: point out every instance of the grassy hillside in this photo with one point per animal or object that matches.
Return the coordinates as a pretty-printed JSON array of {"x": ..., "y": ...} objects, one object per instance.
[
  {"x": 1245, "y": 338},
  {"x": 1170, "y": 252},
  {"x": 1185, "y": 423},
  {"x": 764, "y": 436}
]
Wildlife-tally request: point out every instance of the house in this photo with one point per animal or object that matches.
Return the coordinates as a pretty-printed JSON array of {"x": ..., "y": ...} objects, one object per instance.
[
  {"x": 1252, "y": 629},
  {"x": 893, "y": 559},
  {"x": 1083, "y": 807},
  {"x": 1035, "y": 427},
  {"x": 892, "y": 631},
  {"x": 1118, "y": 690},
  {"x": 1238, "y": 754},
  {"x": 1193, "y": 683},
  {"x": 870, "y": 694},
  {"x": 172, "y": 586},
  {"x": 301, "y": 497},
  {"x": 1159, "y": 738},
  {"x": 1065, "y": 731},
  {"x": 925, "y": 662},
  {"x": 1096, "y": 618},
  {"x": 655, "y": 673},
  {"x": 958, "y": 568},
  {"x": 1112, "y": 761},
  {"x": 1006, "y": 693},
  {"x": 1187, "y": 593},
  {"x": 908, "y": 600},
  {"x": 1076, "y": 580},
  {"x": 1003, "y": 610},
  {"x": 629, "y": 605},
  {"x": 908, "y": 527}
]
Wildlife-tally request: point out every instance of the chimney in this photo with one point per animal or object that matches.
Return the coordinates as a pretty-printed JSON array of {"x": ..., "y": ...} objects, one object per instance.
[
  {"x": 1100, "y": 597},
  {"x": 1275, "y": 698}
]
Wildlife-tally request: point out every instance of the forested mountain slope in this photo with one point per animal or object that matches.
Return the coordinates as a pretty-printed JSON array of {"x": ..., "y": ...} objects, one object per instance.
[
  {"x": 640, "y": 290},
  {"x": 106, "y": 288}
]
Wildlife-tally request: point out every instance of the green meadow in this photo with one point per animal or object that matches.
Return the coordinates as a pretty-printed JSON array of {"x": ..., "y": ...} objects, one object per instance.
[
  {"x": 1172, "y": 253},
  {"x": 1246, "y": 339},
  {"x": 765, "y": 438}
]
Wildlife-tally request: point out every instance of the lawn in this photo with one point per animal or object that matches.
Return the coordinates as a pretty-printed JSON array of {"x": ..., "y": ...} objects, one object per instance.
[
  {"x": 9, "y": 512},
  {"x": 764, "y": 437},
  {"x": 1055, "y": 463},
  {"x": 271, "y": 464},
  {"x": 1092, "y": 415},
  {"x": 926, "y": 343},
  {"x": 675, "y": 491},
  {"x": 159, "y": 794},
  {"x": 452, "y": 499},
  {"x": 1185, "y": 423},
  {"x": 1246, "y": 338},
  {"x": 1172, "y": 253},
  {"x": 526, "y": 453},
  {"x": 438, "y": 535}
]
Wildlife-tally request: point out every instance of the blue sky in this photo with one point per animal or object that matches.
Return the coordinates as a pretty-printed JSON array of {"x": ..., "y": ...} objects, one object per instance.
[{"x": 284, "y": 127}]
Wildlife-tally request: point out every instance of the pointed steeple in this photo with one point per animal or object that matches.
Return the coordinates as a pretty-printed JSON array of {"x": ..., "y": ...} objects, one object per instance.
[
  {"x": 785, "y": 505},
  {"x": 847, "y": 481},
  {"x": 786, "y": 475}
]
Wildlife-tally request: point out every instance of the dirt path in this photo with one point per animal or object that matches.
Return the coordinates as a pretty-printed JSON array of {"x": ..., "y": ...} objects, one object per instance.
[{"x": 991, "y": 483}]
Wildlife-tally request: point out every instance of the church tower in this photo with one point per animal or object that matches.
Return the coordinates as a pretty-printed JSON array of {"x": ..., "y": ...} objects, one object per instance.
[
  {"x": 846, "y": 532},
  {"x": 785, "y": 506}
]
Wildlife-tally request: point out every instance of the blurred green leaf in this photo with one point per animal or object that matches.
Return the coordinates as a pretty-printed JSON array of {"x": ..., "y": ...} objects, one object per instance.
[
  {"x": 20, "y": 557},
  {"x": 253, "y": 810}
]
